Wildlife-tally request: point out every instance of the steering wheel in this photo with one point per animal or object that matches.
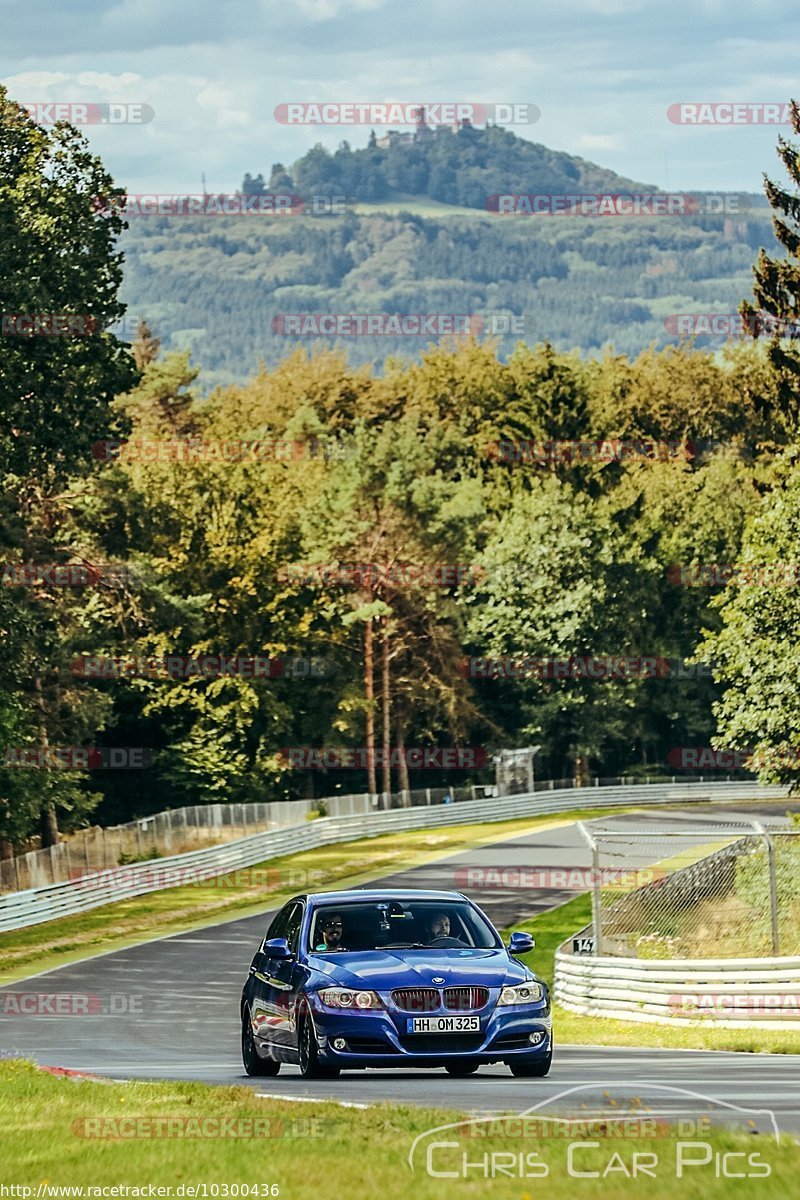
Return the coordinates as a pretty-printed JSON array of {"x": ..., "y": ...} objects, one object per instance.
[{"x": 446, "y": 940}]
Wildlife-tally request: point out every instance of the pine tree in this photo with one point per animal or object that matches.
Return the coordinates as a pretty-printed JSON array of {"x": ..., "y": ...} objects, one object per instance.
[{"x": 777, "y": 281}]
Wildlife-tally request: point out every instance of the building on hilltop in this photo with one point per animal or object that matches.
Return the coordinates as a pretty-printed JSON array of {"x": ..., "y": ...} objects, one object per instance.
[{"x": 422, "y": 130}]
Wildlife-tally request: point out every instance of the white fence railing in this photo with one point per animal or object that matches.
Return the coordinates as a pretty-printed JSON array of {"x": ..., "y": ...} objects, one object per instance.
[
  {"x": 729, "y": 992},
  {"x": 91, "y": 890},
  {"x": 173, "y": 832}
]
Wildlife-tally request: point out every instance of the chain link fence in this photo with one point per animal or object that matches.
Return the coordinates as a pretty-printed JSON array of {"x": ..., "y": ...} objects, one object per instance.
[
  {"x": 164, "y": 833},
  {"x": 183, "y": 829},
  {"x": 731, "y": 891}
]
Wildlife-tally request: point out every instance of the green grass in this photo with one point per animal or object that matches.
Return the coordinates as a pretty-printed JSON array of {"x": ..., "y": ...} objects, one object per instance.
[
  {"x": 256, "y": 889},
  {"x": 554, "y": 927},
  {"x": 309, "y": 1150}
]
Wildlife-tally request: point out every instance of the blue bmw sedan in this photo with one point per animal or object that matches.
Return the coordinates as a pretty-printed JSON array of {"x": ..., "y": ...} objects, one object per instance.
[{"x": 367, "y": 978}]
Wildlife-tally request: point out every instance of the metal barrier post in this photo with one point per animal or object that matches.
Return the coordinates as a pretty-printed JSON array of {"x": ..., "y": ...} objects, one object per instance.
[
  {"x": 595, "y": 884},
  {"x": 773, "y": 885}
]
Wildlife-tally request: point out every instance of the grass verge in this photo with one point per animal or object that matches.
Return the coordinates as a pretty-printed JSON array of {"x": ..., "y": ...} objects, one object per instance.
[
  {"x": 60, "y": 1133},
  {"x": 552, "y": 928},
  {"x": 242, "y": 893}
]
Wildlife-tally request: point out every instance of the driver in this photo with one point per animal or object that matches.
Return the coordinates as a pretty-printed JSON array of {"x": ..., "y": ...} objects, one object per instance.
[
  {"x": 439, "y": 926},
  {"x": 330, "y": 930}
]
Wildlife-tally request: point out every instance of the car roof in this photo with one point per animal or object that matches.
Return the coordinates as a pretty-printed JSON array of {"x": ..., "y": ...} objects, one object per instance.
[{"x": 374, "y": 894}]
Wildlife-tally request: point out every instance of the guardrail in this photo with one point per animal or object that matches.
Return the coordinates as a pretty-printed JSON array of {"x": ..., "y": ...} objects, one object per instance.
[
  {"x": 744, "y": 992},
  {"x": 752, "y": 993},
  {"x": 36, "y": 905}
]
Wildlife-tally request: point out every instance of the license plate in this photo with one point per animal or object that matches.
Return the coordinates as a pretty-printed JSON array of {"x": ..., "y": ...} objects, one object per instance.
[{"x": 444, "y": 1025}]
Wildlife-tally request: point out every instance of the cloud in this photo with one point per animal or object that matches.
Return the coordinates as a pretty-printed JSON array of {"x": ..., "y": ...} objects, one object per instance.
[
  {"x": 328, "y": 10},
  {"x": 106, "y": 82},
  {"x": 218, "y": 99},
  {"x": 33, "y": 79},
  {"x": 598, "y": 141},
  {"x": 603, "y": 73}
]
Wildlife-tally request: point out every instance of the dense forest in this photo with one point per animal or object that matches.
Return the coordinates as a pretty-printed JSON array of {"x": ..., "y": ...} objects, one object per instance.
[
  {"x": 470, "y": 549},
  {"x": 223, "y": 288}
]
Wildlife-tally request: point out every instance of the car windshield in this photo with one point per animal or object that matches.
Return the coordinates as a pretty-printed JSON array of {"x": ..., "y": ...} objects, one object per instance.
[{"x": 400, "y": 924}]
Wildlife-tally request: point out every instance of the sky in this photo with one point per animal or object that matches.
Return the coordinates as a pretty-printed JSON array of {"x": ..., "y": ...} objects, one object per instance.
[{"x": 602, "y": 72}]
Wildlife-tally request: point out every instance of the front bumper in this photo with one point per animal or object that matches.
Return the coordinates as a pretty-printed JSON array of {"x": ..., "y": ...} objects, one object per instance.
[{"x": 380, "y": 1037}]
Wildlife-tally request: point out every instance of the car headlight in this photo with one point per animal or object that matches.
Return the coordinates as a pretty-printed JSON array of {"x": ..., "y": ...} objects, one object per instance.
[
  {"x": 521, "y": 993},
  {"x": 347, "y": 998}
]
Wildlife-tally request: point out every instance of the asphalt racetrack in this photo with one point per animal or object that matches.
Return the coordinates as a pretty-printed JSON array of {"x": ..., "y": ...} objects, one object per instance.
[{"x": 175, "y": 1005}]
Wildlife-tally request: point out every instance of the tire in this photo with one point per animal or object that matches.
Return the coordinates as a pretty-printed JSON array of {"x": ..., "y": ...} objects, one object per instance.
[
  {"x": 310, "y": 1066},
  {"x": 532, "y": 1070},
  {"x": 253, "y": 1064},
  {"x": 461, "y": 1069}
]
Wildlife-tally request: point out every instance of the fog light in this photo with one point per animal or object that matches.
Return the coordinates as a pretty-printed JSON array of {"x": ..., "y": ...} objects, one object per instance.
[
  {"x": 339, "y": 1044},
  {"x": 535, "y": 1038}
]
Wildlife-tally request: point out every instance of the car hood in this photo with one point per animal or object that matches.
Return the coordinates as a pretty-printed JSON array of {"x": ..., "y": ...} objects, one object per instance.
[{"x": 382, "y": 970}]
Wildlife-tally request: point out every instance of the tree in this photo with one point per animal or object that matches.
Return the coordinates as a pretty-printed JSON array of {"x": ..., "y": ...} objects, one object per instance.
[
  {"x": 254, "y": 187},
  {"x": 59, "y": 372},
  {"x": 145, "y": 347},
  {"x": 777, "y": 281},
  {"x": 755, "y": 654},
  {"x": 561, "y": 584},
  {"x": 389, "y": 507},
  {"x": 280, "y": 180},
  {"x": 57, "y": 259}
]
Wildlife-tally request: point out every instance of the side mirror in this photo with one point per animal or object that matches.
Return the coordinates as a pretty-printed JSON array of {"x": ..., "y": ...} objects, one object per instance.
[
  {"x": 277, "y": 948},
  {"x": 521, "y": 943}
]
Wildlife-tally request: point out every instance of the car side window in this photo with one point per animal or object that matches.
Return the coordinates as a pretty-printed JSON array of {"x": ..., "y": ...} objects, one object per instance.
[
  {"x": 293, "y": 924},
  {"x": 280, "y": 922}
]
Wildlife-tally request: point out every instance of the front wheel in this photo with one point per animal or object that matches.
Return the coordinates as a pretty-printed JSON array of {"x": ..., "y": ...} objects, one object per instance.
[
  {"x": 461, "y": 1069},
  {"x": 254, "y": 1065},
  {"x": 535, "y": 1069},
  {"x": 310, "y": 1066}
]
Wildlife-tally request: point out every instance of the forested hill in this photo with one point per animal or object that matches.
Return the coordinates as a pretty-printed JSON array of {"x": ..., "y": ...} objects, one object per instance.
[
  {"x": 222, "y": 286},
  {"x": 415, "y": 237},
  {"x": 463, "y": 167}
]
